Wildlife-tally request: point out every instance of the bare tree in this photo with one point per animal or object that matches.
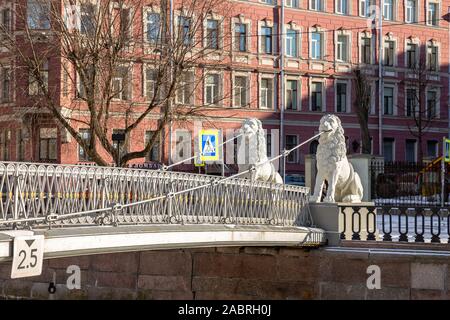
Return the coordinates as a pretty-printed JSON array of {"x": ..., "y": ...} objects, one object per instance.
[
  {"x": 99, "y": 46},
  {"x": 362, "y": 106},
  {"x": 422, "y": 97}
]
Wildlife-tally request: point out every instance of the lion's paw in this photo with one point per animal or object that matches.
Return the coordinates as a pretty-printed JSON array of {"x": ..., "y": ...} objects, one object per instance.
[
  {"x": 314, "y": 199},
  {"x": 329, "y": 199}
]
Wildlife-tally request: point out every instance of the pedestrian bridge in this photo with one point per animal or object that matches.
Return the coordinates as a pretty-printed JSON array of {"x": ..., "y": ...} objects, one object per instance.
[{"x": 124, "y": 209}]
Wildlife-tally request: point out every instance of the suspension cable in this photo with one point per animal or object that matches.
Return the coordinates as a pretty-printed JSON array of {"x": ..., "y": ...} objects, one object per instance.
[{"x": 119, "y": 206}]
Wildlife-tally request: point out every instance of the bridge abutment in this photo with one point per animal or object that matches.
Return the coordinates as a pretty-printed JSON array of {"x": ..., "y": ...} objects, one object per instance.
[{"x": 240, "y": 273}]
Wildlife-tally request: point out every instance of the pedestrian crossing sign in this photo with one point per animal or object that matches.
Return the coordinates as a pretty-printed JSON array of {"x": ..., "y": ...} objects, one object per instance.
[
  {"x": 447, "y": 150},
  {"x": 209, "y": 145}
]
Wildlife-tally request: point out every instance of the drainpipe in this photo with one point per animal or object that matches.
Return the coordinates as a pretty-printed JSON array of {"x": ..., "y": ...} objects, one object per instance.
[
  {"x": 380, "y": 79},
  {"x": 282, "y": 139},
  {"x": 171, "y": 71}
]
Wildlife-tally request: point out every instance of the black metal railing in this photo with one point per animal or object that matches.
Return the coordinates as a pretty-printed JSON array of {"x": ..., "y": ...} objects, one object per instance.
[
  {"x": 409, "y": 183},
  {"x": 395, "y": 223}
]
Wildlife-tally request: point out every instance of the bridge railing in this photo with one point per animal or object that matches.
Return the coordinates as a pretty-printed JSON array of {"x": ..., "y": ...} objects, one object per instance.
[
  {"x": 395, "y": 223},
  {"x": 37, "y": 195}
]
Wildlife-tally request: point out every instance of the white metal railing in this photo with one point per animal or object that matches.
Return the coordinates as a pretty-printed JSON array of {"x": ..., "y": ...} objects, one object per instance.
[{"x": 45, "y": 194}]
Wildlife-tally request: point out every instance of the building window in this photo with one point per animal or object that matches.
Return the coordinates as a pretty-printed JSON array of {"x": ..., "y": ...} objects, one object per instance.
[
  {"x": 118, "y": 141},
  {"x": 240, "y": 37},
  {"x": 432, "y": 148},
  {"x": 153, "y": 25},
  {"x": 185, "y": 89},
  {"x": 20, "y": 136},
  {"x": 342, "y": 48},
  {"x": 411, "y": 11},
  {"x": 316, "y": 96},
  {"x": 432, "y": 13},
  {"x": 5, "y": 137},
  {"x": 432, "y": 57},
  {"x": 120, "y": 83},
  {"x": 291, "y": 142},
  {"x": 341, "y": 97},
  {"x": 389, "y": 53},
  {"x": 316, "y": 45},
  {"x": 388, "y": 100},
  {"x": 240, "y": 91},
  {"x": 291, "y": 43},
  {"x": 291, "y": 95},
  {"x": 86, "y": 137},
  {"x": 5, "y": 21},
  {"x": 212, "y": 34},
  {"x": 411, "y": 55},
  {"x": 341, "y": 6},
  {"x": 266, "y": 93},
  {"x": 47, "y": 144},
  {"x": 388, "y": 149},
  {"x": 316, "y": 5},
  {"x": 366, "y": 50},
  {"x": 410, "y": 149},
  {"x": 268, "y": 143},
  {"x": 291, "y": 3},
  {"x": 38, "y": 14},
  {"x": 88, "y": 16},
  {"x": 266, "y": 40},
  {"x": 38, "y": 86},
  {"x": 431, "y": 104},
  {"x": 150, "y": 83},
  {"x": 411, "y": 102},
  {"x": 364, "y": 7},
  {"x": 153, "y": 154},
  {"x": 185, "y": 30},
  {"x": 5, "y": 74},
  {"x": 212, "y": 89},
  {"x": 388, "y": 10}
]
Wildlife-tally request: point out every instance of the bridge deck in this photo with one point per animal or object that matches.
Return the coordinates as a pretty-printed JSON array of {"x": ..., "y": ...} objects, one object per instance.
[{"x": 63, "y": 242}]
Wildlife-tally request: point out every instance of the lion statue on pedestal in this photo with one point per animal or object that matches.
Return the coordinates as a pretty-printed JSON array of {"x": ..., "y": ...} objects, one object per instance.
[
  {"x": 344, "y": 184},
  {"x": 254, "y": 138}
]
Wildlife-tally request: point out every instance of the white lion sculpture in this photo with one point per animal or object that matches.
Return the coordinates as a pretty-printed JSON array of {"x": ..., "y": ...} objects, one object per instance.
[
  {"x": 344, "y": 184},
  {"x": 255, "y": 139}
]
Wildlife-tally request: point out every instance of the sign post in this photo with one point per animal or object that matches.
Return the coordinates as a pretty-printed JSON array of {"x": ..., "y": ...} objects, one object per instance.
[{"x": 445, "y": 160}]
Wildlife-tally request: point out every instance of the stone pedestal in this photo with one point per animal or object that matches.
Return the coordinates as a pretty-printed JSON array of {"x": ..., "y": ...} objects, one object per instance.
[
  {"x": 328, "y": 216},
  {"x": 361, "y": 164}
]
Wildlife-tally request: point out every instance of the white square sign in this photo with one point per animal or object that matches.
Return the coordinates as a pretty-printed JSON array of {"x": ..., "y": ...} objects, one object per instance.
[{"x": 28, "y": 255}]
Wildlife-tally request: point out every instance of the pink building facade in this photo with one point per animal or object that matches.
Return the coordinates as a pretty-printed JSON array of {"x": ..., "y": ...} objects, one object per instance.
[{"x": 303, "y": 52}]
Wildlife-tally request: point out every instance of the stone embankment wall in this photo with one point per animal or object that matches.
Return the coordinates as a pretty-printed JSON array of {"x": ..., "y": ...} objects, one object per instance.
[{"x": 237, "y": 273}]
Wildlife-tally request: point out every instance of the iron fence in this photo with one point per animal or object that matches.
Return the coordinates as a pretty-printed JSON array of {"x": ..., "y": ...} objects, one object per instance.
[
  {"x": 36, "y": 195},
  {"x": 401, "y": 224},
  {"x": 408, "y": 184}
]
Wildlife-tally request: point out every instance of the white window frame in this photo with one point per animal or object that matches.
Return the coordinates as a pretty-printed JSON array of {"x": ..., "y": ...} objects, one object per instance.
[
  {"x": 272, "y": 79},
  {"x": 438, "y": 12},
  {"x": 347, "y": 50},
  {"x": 295, "y": 152},
  {"x": 392, "y": 12},
  {"x": 247, "y": 76},
  {"x": 394, "y": 98},
  {"x": 342, "y": 3},
  {"x": 248, "y": 43},
  {"x": 219, "y": 88},
  {"x": 347, "y": 93},
  {"x": 313, "y": 43},
  {"x": 370, "y": 36},
  {"x": 191, "y": 95},
  {"x": 324, "y": 95},
  {"x": 438, "y": 100},
  {"x": 317, "y": 5},
  {"x": 412, "y": 41},
  {"x": 299, "y": 86},
  {"x": 408, "y": 8}
]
